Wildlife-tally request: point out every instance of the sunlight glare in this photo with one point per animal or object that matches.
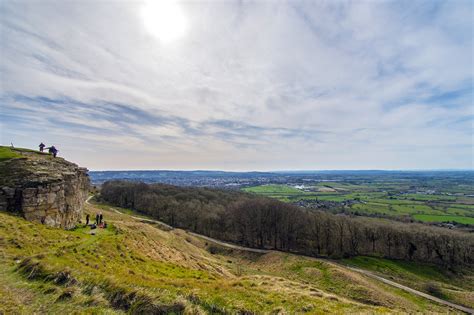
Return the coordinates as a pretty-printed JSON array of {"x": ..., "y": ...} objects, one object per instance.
[{"x": 164, "y": 19}]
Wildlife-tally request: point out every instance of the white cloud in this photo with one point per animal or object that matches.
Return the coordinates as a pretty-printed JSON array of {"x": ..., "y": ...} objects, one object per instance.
[{"x": 307, "y": 84}]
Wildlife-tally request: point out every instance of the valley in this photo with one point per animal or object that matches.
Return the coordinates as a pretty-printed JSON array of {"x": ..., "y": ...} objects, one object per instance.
[
  {"x": 176, "y": 157},
  {"x": 447, "y": 202},
  {"x": 440, "y": 197},
  {"x": 195, "y": 250}
]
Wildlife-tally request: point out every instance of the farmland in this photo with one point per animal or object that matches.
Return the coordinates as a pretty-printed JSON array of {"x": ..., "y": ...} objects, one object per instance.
[
  {"x": 436, "y": 200},
  {"x": 427, "y": 196}
]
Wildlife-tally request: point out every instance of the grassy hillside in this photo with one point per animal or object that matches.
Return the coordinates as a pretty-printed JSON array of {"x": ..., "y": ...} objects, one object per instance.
[
  {"x": 7, "y": 153},
  {"x": 133, "y": 266},
  {"x": 455, "y": 287}
]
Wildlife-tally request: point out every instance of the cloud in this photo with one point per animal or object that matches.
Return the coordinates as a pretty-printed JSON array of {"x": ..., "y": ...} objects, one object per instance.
[{"x": 251, "y": 85}]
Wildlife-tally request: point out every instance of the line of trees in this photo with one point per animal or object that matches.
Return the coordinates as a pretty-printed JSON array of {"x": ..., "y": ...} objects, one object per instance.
[{"x": 267, "y": 223}]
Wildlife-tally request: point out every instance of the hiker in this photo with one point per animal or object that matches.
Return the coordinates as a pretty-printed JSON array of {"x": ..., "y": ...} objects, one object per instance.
[
  {"x": 100, "y": 218},
  {"x": 97, "y": 219},
  {"x": 52, "y": 149},
  {"x": 41, "y": 146},
  {"x": 87, "y": 219}
]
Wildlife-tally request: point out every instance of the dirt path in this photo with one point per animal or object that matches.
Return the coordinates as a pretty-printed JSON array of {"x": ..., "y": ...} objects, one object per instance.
[
  {"x": 408, "y": 289},
  {"x": 229, "y": 245},
  {"x": 87, "y": 200},
  {"x": 264, "y": 251},
  {"x": 361, "y": 271},
  {"x": 135, "y": 217}
]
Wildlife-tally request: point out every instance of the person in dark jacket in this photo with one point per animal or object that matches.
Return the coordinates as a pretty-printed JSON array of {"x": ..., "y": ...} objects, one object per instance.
[
  {"x": 97, "y": 219},
  {"x": 52, "y": 149},
  {"x": 41, "y": 146},
  {"x": 100, "y": 218},
  {"x": 87, "y": 219}
]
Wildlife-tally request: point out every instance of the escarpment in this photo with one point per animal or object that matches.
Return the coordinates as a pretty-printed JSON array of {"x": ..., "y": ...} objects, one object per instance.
[{"x": 43, "y": 188}]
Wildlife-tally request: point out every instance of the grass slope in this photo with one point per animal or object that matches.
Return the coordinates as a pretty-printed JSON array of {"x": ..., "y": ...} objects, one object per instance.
[
  {"x": 454, "y": 287},
  {"x": 7, "y": 153},
  {"x": 135, "y": 267}
]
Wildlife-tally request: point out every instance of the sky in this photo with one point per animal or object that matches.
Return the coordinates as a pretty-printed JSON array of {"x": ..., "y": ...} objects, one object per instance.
[{"x": 241, "y": 85}]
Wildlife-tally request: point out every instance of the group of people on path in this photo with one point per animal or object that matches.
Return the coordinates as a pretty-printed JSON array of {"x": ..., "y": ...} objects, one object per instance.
[
  {"x": 99, "y": 221},
  {"x": 52, "y": 149}
]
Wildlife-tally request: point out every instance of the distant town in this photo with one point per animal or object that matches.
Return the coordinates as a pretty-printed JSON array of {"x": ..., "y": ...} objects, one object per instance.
[{"x": 443, "y": 198}]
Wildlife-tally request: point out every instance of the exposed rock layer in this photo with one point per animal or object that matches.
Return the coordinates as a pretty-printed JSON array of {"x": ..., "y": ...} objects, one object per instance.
[{"x": 44, "y": 189}]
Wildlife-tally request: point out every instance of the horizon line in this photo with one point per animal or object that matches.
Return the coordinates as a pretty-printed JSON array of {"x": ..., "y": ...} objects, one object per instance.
[{"x": 288, "y": 171}]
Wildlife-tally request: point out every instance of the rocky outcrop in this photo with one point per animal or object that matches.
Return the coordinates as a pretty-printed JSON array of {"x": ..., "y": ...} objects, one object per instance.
[{"x": 43, "y": 189}]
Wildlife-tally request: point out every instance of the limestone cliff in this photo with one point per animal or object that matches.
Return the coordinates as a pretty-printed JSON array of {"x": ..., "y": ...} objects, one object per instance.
[{"x": 42, "y": 188}]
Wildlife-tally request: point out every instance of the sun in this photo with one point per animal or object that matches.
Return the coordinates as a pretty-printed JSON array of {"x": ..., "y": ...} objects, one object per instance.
[{"x": 164, "y": 19}]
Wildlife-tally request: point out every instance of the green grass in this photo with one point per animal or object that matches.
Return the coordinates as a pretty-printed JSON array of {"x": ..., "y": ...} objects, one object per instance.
[
  {"x": 399, "y": 268},
  {"x": 444, "y": 218},
  {"x": 456, "y": 287},
  {"x": 287, "y": 193},
  {"x": 323, "y": 277},
  {"x": 376, "y": 200},
  {"x": 332, "y": 198},
  {"x": 423, "y": 197},
  {"x": 273, "y": 189},
  {"x": 7, "y": 153},
  {"x": 133, "y": 265}
]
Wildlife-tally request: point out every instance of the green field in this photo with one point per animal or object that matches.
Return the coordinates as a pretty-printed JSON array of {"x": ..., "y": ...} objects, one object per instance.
[
  {"x": 444, "y": 218},
  {"x": 273, "y": 189},
  {"x": 379, "y": 198},
  {"x": 281, "y": 192}
]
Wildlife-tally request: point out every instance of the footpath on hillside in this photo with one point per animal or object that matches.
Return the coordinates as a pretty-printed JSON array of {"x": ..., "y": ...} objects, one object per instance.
[{"x": 265, "y": 251}]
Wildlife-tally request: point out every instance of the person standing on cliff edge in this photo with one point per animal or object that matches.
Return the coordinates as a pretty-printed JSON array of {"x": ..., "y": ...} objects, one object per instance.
[
  {"x": 41, "y": 146},
  {"x": 52, "y": 149}
]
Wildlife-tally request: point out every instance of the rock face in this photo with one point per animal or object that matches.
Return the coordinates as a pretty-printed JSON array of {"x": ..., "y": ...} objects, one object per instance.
[{"x": 43, "y": 189}]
